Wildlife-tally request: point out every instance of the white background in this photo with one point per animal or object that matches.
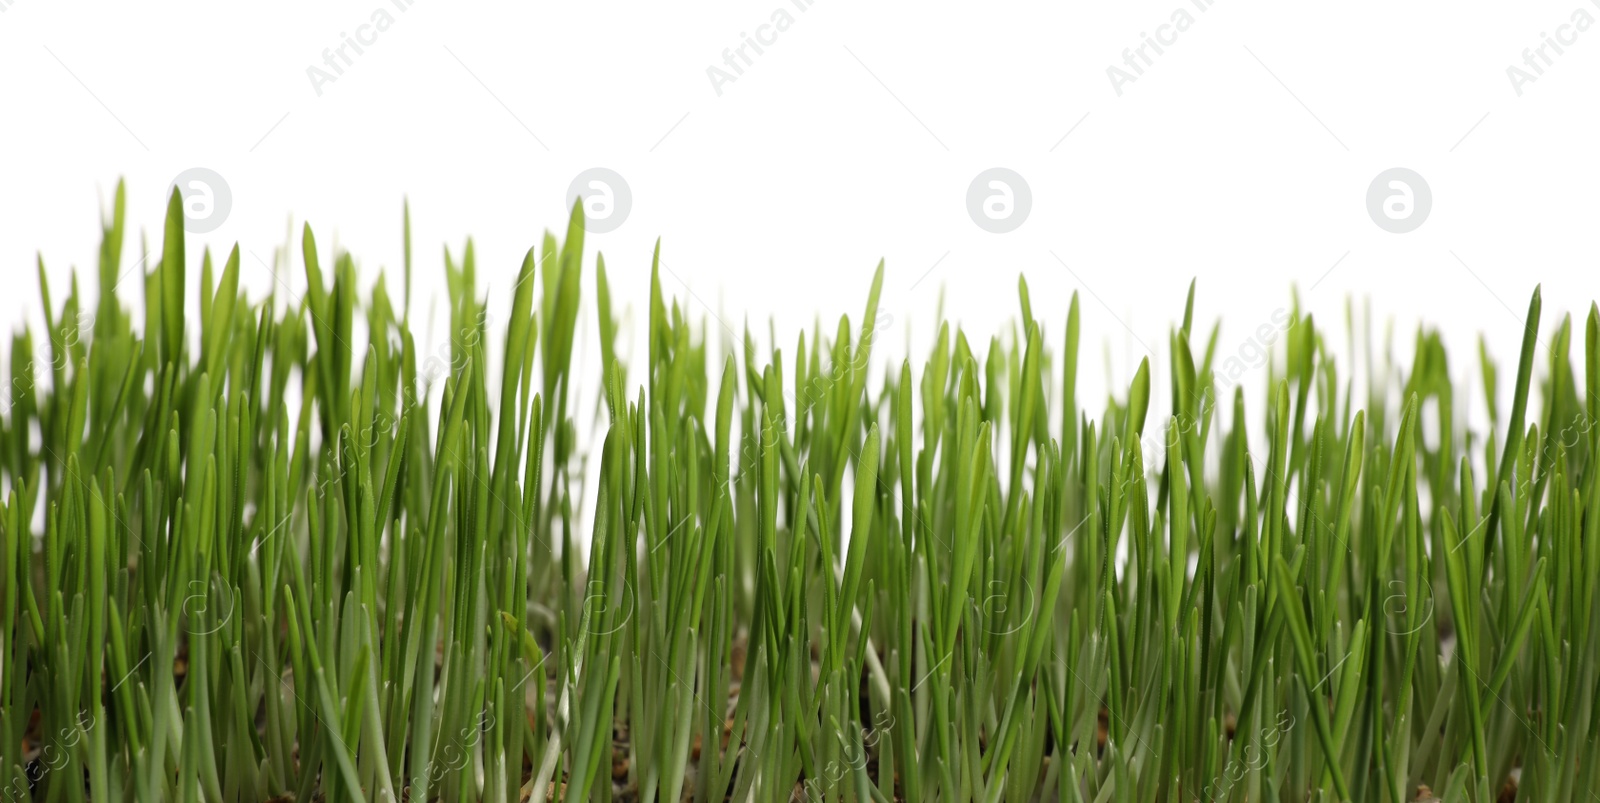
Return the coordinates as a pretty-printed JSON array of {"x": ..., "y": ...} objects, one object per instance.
[{"x": 1240, "y": 157}]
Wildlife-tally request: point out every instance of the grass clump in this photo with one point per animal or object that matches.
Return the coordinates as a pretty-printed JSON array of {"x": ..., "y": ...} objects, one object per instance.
[{"x": 254, "y": 562}]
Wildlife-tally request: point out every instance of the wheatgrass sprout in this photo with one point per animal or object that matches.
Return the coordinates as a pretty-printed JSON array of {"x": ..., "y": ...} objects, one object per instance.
[{"x": 276, "y": 552}]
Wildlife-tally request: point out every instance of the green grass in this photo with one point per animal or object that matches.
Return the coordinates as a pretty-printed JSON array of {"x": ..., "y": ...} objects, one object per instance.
[{"x": 244, "y": 559}]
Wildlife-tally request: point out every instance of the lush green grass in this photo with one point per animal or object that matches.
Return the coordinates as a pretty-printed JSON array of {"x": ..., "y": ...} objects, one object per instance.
[{"x": 948, "y": 584}]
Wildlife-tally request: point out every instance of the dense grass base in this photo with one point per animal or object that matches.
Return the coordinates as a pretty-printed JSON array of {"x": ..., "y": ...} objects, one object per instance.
[{"x": 262, "y": 563}]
